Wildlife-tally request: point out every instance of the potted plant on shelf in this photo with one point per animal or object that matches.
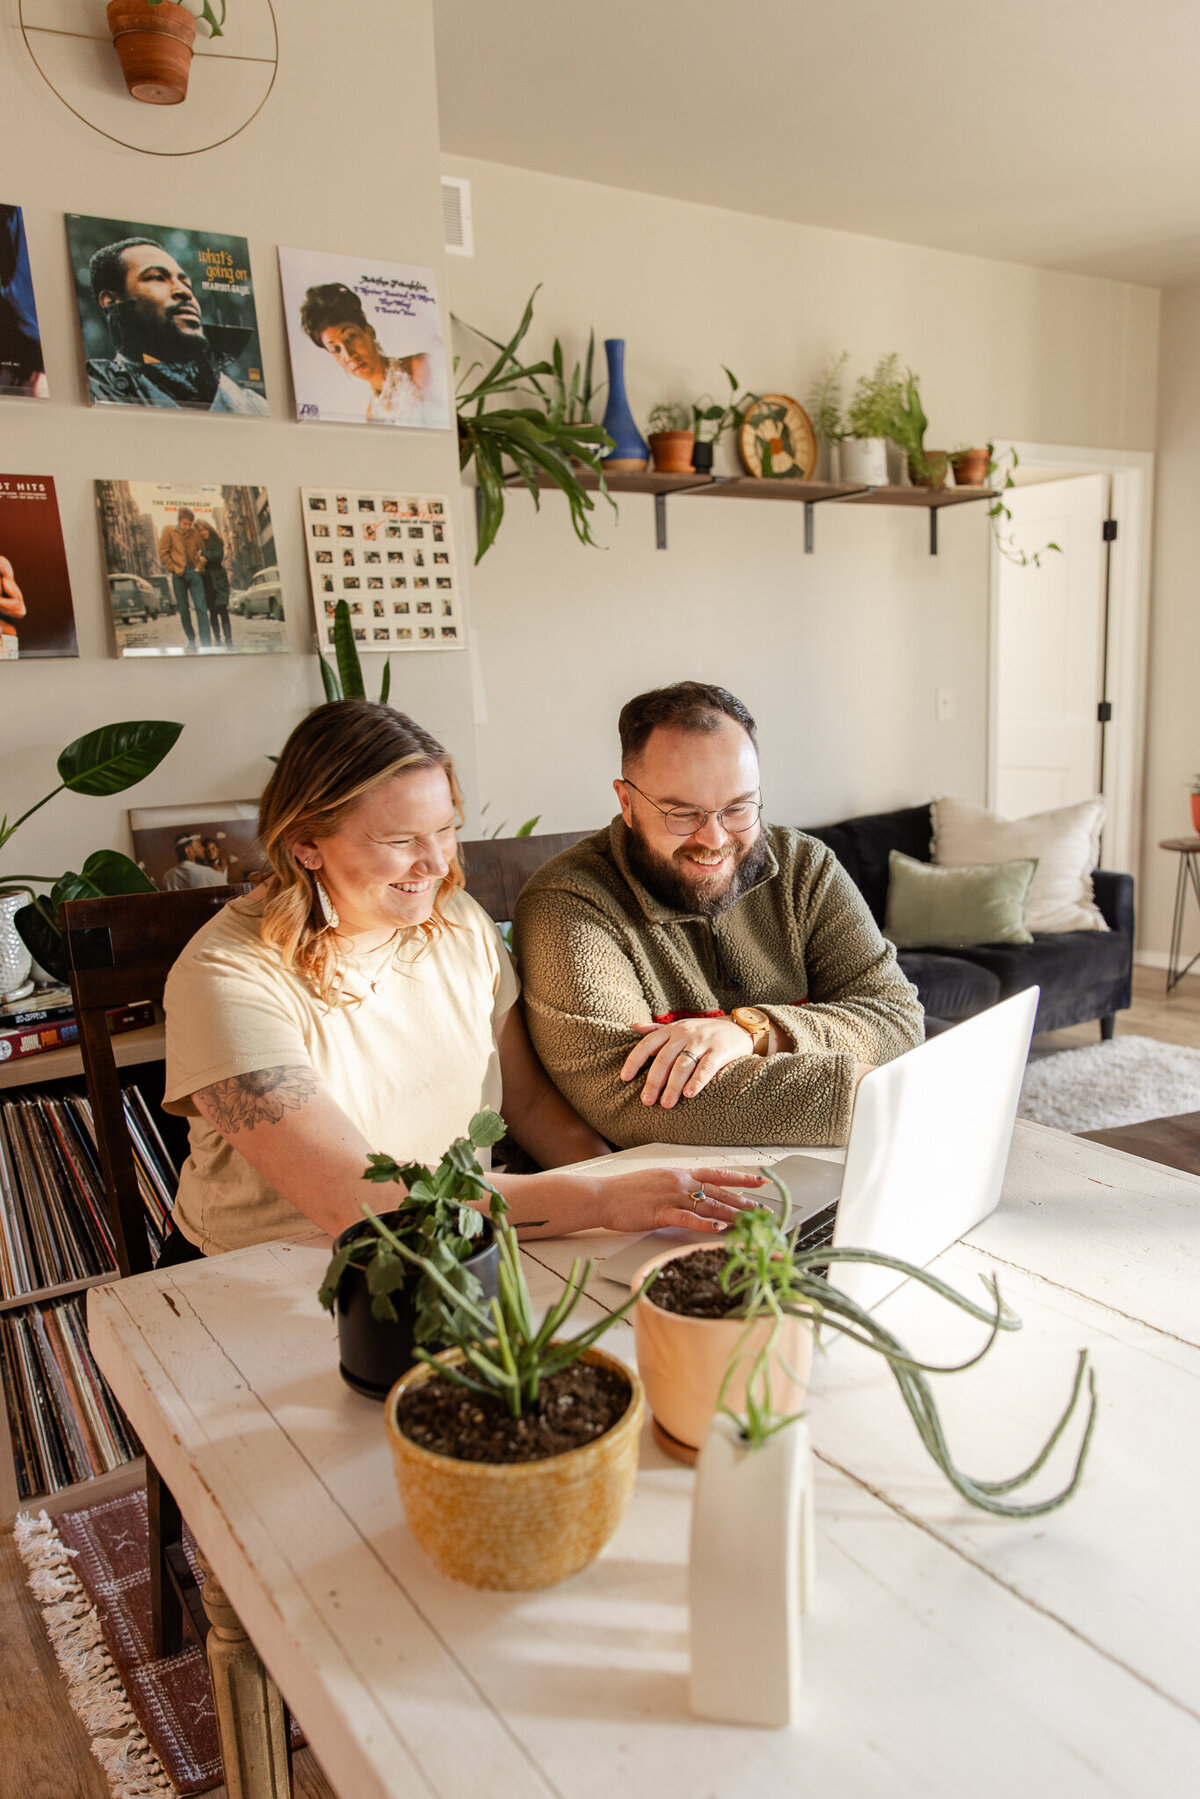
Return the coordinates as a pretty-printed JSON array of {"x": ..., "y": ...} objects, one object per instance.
[
  {"x": 101, "y": 763},
  {"x": 537, "y": 439},
  {"x": 386, "y": 1305},
  {"x": 971, "y": 466},
  {"x": 711, "y": 419},
  {"x": 154, "y": 38},
  {"x": 671, "y": 442},
  {"x": 926, "y": 468},
  {"x": 756, "y": 1278},
  {"x": 515, "y": 1450},
  {"x": 825, "y": 406},
  {"x": 872, "y": 417}
]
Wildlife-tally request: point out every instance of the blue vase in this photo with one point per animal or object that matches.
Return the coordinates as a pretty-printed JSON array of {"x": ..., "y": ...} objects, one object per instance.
[{"x": 629, "y": 446}]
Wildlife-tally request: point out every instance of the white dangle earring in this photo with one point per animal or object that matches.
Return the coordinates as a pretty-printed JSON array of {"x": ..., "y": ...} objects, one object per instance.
[{"x": 326, "y": 904}]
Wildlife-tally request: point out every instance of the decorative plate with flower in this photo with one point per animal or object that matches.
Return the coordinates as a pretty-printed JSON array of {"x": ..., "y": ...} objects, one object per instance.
[{"x": 777, "y": 439}]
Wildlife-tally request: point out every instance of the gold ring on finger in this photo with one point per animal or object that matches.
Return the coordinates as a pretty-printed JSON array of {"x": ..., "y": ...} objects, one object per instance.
[{"x": 696, "y": 1196}]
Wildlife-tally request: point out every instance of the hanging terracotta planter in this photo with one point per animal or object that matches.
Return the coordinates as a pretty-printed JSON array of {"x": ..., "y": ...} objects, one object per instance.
[{"x": 154, "y": 44}]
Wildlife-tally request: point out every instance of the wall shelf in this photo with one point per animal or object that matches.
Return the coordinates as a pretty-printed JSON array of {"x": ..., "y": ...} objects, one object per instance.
[{"x": 809, "y": 494}]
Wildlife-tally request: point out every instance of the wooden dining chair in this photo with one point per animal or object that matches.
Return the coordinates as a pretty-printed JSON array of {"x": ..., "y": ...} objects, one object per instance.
[
  {"x": 121, "y": 951},
  {"x": 497, "y": 868}
]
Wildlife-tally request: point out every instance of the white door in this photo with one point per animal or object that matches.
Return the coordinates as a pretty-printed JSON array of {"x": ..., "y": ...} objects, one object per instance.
[{"x": 1049, "y": 642}]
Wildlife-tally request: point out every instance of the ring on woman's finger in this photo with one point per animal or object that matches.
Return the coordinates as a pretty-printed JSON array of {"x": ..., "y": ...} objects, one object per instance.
[
  {"x": 690, "y": 1053},
  {"x": 696, "y": 1196}
]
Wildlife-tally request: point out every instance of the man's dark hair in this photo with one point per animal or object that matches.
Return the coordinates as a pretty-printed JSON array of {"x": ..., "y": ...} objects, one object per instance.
[
  {"x": 332, "y": 304},
  {"x": 185, "y": 512},
  {"x": 685, "y": 706},
  {"x": 107, "y": 272}
]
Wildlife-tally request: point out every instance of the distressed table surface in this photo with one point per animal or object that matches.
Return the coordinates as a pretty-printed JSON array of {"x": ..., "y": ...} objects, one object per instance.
[{"x": 946, "y": 1653}]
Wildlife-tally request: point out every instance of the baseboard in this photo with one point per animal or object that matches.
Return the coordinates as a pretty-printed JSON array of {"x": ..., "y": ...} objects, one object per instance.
[{"x": 1151, "y": 958}]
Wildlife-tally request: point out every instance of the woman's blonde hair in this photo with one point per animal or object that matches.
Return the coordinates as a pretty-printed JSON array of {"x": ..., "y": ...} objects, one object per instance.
[{"x": 335, "y": 757}]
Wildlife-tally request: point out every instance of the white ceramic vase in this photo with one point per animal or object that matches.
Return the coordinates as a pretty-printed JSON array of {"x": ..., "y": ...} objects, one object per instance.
[
  {"x": 864, "y": 460},
  {"x": 15, "y": 959},
  {"x": 751, "y": 1573}
]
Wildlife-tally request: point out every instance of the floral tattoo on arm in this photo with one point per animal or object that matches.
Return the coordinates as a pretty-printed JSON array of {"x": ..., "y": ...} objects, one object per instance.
[{"x": 259, "y": 1098}]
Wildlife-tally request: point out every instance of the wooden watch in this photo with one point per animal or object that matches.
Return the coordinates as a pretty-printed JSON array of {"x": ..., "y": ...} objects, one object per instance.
[{"x": 756, "y": 1024}]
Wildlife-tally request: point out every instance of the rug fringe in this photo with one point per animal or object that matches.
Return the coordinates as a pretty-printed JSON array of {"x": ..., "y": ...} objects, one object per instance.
[{"x": 94, "y": 1687}]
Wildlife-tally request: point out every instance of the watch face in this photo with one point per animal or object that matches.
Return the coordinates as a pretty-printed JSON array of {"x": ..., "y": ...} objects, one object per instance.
[{"x": 750, "y": 1015}]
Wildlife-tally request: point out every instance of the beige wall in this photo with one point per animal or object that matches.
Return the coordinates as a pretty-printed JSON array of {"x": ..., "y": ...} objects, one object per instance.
[
  {"x": 838, "y": 654},
  {"x": 333, "y": 162},
  {"x": 1173, "y": 706}
]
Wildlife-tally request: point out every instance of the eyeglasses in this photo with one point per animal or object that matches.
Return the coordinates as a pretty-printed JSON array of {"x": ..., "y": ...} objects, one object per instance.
[{"x": 684, "y": 821}]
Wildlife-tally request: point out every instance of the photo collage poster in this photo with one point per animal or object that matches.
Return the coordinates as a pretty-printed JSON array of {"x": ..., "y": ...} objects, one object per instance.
[
  {"x": 365, "y": 339},
  {"x": 36, "y": 614},
  {"x": 22, "y": 365},
  {"x": 167, "y": 316},
  {"x": 390, "y": 556},
  {"x": 191, "y": 568}
]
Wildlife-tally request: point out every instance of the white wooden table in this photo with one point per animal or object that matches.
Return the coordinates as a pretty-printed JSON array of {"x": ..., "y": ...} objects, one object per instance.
[{"x": 946, "y": 1653}]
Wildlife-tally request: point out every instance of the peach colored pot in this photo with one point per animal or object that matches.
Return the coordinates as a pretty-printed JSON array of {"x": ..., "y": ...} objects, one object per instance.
[
  {"x": 682, "y": 1361},
  {"x": 1196, "y": 813},
  {"x": 672, "y": 451},
  {"x": 154, "y": 44},
  {"x": 515, "y": 1525}
]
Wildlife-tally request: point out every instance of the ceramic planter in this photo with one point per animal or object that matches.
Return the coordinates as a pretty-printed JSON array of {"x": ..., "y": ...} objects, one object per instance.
[
  {"x": 682, "y": 1362},
  {"x": 752, "y": 1542},
  {"x": 970, "y": 467},
  {"x": 154, "y": 44},
  {"x": 672, "y": 451},
  {"x": 15, "y": 960},
  {"x": 629, "y": 452},
  {"x": 517, "y": 1525},
  {"x": 1196, "y": 813},
  {"x": 374, "y": 1352},
  {"x": 702, "y": 457},
  {"x": 863, "y": 460}
]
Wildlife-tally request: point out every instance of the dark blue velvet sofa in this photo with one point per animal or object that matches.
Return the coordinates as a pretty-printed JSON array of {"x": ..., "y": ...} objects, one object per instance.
[{"x": 1082, "y": 974}]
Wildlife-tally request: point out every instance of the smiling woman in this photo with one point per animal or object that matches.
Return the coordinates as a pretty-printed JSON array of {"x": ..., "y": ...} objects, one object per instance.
[{"x": 359, "y": 1000}]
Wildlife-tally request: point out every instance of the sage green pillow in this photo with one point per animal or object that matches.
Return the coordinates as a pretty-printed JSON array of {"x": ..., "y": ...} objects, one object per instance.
[{"x": 929, "y": 907}]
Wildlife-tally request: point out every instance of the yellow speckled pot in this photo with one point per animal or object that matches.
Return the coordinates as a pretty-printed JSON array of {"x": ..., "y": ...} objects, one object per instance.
[{"x": 514, "y": 1525}]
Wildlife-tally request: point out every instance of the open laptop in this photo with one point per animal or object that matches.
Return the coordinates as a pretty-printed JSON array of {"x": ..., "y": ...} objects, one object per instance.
[{"x": 925, "y": 1161}]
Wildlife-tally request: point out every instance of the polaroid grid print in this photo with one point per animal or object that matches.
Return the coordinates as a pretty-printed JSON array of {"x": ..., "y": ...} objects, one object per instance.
[
  {"x": 390, "y": 556},
  {"x": 365, "y": 340},
  {"x": 167, "y": 316}
]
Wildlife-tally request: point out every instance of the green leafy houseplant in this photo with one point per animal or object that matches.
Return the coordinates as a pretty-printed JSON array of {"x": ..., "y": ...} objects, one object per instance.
[
  {"x": 1000, "y": 474},
  {"x": 435, "y": 1228},
  {"x": 875, "y": 405},
  {"x": 346, "y": 681},
  {"x": 547, "y": 437},
  {"x": 825, "y": 401},
  {"x": 711, "y": 418},
  {"x": 208, "y": 14},
  {"x": 771, "y": 1279},
  {"x": 669, "y": 415},
  {"x": 101, "y": 763}
]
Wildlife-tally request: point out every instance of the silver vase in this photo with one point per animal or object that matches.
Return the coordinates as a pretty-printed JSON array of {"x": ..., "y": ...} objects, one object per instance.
[{"x": 15, "y": 959}]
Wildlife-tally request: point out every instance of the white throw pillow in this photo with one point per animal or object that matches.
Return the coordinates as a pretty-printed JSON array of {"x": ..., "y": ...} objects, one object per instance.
[{"x": 1066, "y": 844}]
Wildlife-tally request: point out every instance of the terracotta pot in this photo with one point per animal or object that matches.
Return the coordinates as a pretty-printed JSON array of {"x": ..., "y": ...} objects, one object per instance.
[
  {"x": 516, "y": 1525},
  {"x": 672, "y": 451},
  {"x": 154, "y": 44},
  {"x": 682, "y": 1362},
  {"x": 970, "y": 467},
  {"x": 1196, "y": 813},
  {"x": 932, "y": 471}
]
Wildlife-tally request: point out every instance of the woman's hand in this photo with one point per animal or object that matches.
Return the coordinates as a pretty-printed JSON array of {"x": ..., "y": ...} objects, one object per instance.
[
  {"x": 683, "y": 1057},
  {"x": 649, "y": 1199}
]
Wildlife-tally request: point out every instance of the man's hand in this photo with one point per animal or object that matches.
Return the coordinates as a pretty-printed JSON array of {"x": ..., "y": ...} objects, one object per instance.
[
  {"x": 683, "y": 1057},
  {"x": 12, "y": 602}
]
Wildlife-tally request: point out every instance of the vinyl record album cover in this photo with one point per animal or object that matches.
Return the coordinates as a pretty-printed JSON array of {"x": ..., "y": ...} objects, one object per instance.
[
  {"x": 36, "y": 615},
  {"x": 22, "y": 367}
]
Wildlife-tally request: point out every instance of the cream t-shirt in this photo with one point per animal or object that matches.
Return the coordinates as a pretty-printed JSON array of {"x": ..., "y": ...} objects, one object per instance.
[{"x": 410, "y": 1064}]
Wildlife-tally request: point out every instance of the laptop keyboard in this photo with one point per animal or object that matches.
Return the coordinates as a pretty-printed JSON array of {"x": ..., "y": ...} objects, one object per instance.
[{"x": 817, "y": 1231}]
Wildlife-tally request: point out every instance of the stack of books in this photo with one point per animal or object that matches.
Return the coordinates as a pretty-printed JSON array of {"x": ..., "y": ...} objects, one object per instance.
[
  {"x": 46, "y": 1020},
  {"x": 66, "y": 1426},
  {"x": 53, "y": 1226}
]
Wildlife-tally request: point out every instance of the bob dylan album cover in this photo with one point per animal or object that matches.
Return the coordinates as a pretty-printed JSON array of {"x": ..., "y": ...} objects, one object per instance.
[
  {"x": 191, "y": 568},
  {"x": 167, "y": 316},
  {"x": 212, "y": 845},
  {"x": 36, "y": 616},
  {"x": 22, "y": 370},
  {"x": 365, "y": 340}
]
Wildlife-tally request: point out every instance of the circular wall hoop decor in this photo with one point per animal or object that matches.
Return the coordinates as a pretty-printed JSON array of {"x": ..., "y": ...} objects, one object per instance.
[
  {"x": 777, "y": 438},
  {"x": 232, "y": 77}
]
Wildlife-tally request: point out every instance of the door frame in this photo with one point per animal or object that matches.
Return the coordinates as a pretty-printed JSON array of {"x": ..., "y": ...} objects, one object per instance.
[{"x": 1132, "y": 483}]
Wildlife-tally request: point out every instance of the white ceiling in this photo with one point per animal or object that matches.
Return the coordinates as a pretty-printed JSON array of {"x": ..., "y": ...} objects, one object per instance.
[{"x": 1059, "y": 132}]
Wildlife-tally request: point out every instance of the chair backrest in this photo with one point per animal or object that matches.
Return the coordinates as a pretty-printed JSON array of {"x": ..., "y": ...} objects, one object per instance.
[
  {"x": 121, "y": 951},
  {"x": 498, "y": 867}
]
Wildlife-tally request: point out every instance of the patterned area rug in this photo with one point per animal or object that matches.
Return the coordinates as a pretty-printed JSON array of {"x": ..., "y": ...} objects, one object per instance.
[
  {"x": 1125, "y": 1081},
  {"x": 152, "y": 1723}
]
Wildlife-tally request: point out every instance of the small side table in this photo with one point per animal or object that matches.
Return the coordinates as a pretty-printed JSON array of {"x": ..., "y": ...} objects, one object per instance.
[{"x": 1188, "y": 851}]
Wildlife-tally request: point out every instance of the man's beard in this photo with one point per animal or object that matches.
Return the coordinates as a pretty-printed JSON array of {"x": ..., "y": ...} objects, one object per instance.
[
  {"x": 665, "y": 879},
  {"x": 136, "y": 336}
]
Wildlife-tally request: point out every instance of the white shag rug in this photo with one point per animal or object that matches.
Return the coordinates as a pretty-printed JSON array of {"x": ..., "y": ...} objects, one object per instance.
[{"x": 1108, "y": 1084}]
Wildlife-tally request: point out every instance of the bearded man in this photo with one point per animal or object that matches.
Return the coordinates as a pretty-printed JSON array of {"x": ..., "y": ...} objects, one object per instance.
[{"x": 693, "y": 975}]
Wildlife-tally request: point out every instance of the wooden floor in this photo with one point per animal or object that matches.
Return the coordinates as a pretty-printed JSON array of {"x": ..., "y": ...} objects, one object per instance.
[{"x": 40, "y": 1735}]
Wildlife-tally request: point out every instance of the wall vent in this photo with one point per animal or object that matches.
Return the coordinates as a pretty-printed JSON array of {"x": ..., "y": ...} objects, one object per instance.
[{"x": 456, "y": 216}]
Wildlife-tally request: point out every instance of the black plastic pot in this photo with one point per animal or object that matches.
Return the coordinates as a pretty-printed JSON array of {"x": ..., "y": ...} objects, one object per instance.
[
  {"x": 374, "y": 1352},
  {"x": 702, "y": 457}
]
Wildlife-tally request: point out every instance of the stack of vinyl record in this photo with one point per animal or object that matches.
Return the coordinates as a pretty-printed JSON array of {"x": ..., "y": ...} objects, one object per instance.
[{"x": 65, "y": 1424}]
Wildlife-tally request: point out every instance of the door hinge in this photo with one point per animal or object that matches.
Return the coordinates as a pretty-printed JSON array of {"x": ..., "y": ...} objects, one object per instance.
[
  {"x": 1110, "y": 530},
  {"x": 1104, "y": 712}
]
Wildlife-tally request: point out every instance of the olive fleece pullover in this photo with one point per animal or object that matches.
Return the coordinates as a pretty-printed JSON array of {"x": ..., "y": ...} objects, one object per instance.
[{"x": 598, "y": 953}]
